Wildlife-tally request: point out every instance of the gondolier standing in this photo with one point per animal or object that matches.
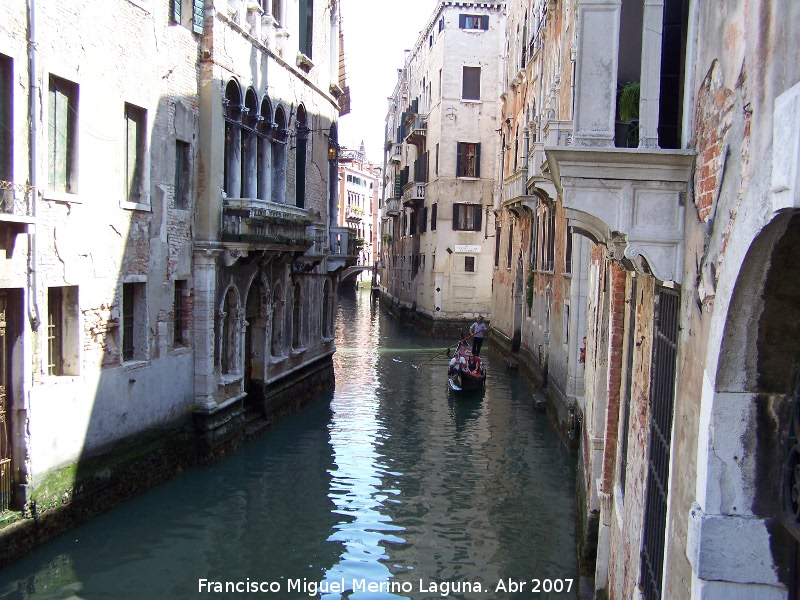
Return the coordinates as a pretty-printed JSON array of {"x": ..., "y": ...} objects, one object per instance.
[{"x": 477, "y": 329}]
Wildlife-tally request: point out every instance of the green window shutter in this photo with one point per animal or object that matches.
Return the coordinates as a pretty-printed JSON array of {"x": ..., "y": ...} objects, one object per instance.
[
  {"x": 197, "y": 16},
  {"x": 398, "y": 186},
  {"x": 462, "y": 21},
  {"x": 176, "y": 11},
  {"x": 485, "y": 22},
  {"x": 459, "y": 161},
  {"x": 477, "y": 160}
]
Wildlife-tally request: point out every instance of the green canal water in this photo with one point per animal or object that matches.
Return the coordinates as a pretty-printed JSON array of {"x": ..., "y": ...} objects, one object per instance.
[{"x": 389, "y": 487}]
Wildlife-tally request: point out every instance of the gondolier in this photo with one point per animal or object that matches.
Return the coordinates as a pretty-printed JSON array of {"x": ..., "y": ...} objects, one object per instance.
[{"x": 477, "y": 330}]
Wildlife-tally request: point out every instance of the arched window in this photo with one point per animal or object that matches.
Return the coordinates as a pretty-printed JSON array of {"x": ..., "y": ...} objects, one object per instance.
[
  {"x": 276, "y": 344},
  {"x": 263, "y": 130},
  {"x": 232, "y": 107},
  {"x": 296, "y": 320},
  {"x": 230, "y": 333},
  {"x": 300, "y": 156},
  {"x": 280, "y": 136},
  {"x": 249, "y": 152},
  {"x": 306, "y": 26}
]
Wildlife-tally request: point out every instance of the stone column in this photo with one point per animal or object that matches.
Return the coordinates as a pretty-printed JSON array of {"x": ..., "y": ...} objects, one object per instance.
[
  {"x": 652, "y": 25},
  {"x": 596, "y": 72},
  {"x": 205, "y": 285}
]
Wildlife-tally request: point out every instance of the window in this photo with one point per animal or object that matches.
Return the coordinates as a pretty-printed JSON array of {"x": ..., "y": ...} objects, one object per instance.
[
  {"x": 300, "y": 157},
  {"x": 497, "y": 238},
  {"x": 423, "y": 222},
  {"x": 436, "y": 162},
  {"x": 473, "y": 22},
  {"x": 63, "y": 325},
  {"x": 6, "y": 121},
  {"x": 276, "y": 10},
  {"x": 468, "y": 160},
  {"x": 510, "y": 249},
  {"x": 134, "y": 153},
  {"x": 467, "y": 217},
  {"x": 180, "y": 314},
  {"x": 183, "y": 177},
  {"x": 297, "y": 302},
  {"x": 469, "y": 264},
  {"x": 63, "y": 136},
  {"x": 134, "y": 322},
  {"x": 188, "y": 13},
  {"x": 441, "y": 24},
  {"x": 568, "y": 254},
  {"x": 306, "y": 26},
  {"x": 434, "y": 208},
  {"x": 471, "y": 83}
]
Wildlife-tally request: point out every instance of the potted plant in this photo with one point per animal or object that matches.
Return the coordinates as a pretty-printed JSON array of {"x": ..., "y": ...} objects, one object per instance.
[{"x": 627, "y": 128}]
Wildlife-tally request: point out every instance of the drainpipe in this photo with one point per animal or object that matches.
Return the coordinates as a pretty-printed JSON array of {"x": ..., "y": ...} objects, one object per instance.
[{"x": 33, "y": 97}]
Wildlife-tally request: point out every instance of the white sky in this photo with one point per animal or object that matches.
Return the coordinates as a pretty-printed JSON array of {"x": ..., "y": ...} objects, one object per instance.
[{"x": 376, "y": 32}]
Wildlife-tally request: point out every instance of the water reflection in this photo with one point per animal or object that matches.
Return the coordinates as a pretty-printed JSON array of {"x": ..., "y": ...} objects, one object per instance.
[{"x": 392, "y": 482}]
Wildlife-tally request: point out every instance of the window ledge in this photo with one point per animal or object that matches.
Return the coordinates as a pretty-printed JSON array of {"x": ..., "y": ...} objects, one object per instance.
[
  {"x": 298, "y": 351},
  {"x": 472, "y": 101},
  {"x": 135, "y": 364},
  {"x": 465, "y": 178},
  {"x": 135, "y": 206},
  {"x": 143, "y": 4},
  {"x": 181, "y": 350},
  {"x": 304, "y": 62},
  {"x": 61, "y": 379},
  {"x": 327, "y": 340},
  {"x": 61, "y": 197},
  {"x": 276, "y": 360},
  {"x": 229, "y": 378}
]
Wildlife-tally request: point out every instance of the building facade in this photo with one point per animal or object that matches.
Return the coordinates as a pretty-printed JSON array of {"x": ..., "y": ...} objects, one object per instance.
[
  {"x": 682, "y": 173},
  {"x": 171, "y": 245},
  {"x": 540, "y": 284},
  {"x": 441, "y": 125},
  {"x": 359, "y": 184}
]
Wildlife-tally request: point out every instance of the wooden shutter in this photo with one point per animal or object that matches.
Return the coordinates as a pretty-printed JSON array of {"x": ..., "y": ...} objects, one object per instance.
[
  {"x": 459, "y": 161},
  {"x": 462, "y": 21},
  {"x": 477, "y": 160},
  {"x": 197, "y": 16},
  {"x": 485, "y": 22},
  {"x": 176, "y": 11},
  {"x": 478, "y": 215},
  {"x": 455, "y": 216}
]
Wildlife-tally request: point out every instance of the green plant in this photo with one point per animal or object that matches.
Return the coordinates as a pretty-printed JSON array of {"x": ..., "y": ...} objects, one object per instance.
[
  {"x": 388, "y": 145},
  {"x": 629, "y": 101}
]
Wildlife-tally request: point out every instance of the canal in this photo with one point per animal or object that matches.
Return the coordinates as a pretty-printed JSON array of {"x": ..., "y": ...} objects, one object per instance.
[{"x": 389, "y": 487}]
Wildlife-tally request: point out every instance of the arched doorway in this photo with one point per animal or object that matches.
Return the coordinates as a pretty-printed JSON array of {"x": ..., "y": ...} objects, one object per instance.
[{"x": 255, "y": 340}]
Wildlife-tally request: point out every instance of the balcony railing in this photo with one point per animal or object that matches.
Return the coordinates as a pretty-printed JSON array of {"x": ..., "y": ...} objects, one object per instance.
[
  {"x": 514, "y": 185},
  {"x": 253, "y": 221},
  {"x": 414, "y": 193},
  {"x": 354, "y": 213},
  {"x": 416, "y": 132},
  {"x": 392, "y": 207},
  {"x": 557, "y": 133},
  {"x": 396, "y": 153}
]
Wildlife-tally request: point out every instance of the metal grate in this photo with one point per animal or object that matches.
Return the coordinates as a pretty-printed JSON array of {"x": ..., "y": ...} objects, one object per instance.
[{"x": 662, "y": 392}]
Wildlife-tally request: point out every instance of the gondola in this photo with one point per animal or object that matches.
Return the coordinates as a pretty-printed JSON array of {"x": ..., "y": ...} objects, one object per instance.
[{"x": 465, "y": 379}]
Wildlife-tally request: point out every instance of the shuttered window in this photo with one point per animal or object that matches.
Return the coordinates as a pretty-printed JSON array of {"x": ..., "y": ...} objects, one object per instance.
[
  {"x": 176, "y": 11},
  {"x": 134, "y": 153},
  {"x": 473, "y": 22},
  {"x": 62, "y": 135},
  {"x": 468, "y": 159},
  {"x": 197, "y": 16},
  {"x": 306, "y": 26},
  {"x": 6, "y": 127},
  {"x": 433, "y": 216},
  {"x": 471, "y": 83},
  {"x": 467, "y": 217}
]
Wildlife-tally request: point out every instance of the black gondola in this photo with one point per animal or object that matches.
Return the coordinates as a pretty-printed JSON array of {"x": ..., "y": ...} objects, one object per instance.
[{"x": 466, "y": 372}]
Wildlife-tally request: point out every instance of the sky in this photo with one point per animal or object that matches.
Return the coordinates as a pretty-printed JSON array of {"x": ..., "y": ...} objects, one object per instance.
[{"x": 376, "y": 33}]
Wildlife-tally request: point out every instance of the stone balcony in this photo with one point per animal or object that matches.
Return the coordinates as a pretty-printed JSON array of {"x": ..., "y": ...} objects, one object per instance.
[
  {"x": 342, "y": 251},
  {"x": 396, "y": 153},
  {"x": 414, "y": 193},
  {"x": 354, "y": 213},
  {"x": 16, "y": 208},
  {"x": 260, "y": 224},
  {"x": 392, "y": 207},
  {"x": 515, "y": 193},
  {"x": 417, "y": 131}
]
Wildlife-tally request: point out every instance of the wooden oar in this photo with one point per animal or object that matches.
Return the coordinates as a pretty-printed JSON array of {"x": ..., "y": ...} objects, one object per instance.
[{"x": 442, "y": 352}]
